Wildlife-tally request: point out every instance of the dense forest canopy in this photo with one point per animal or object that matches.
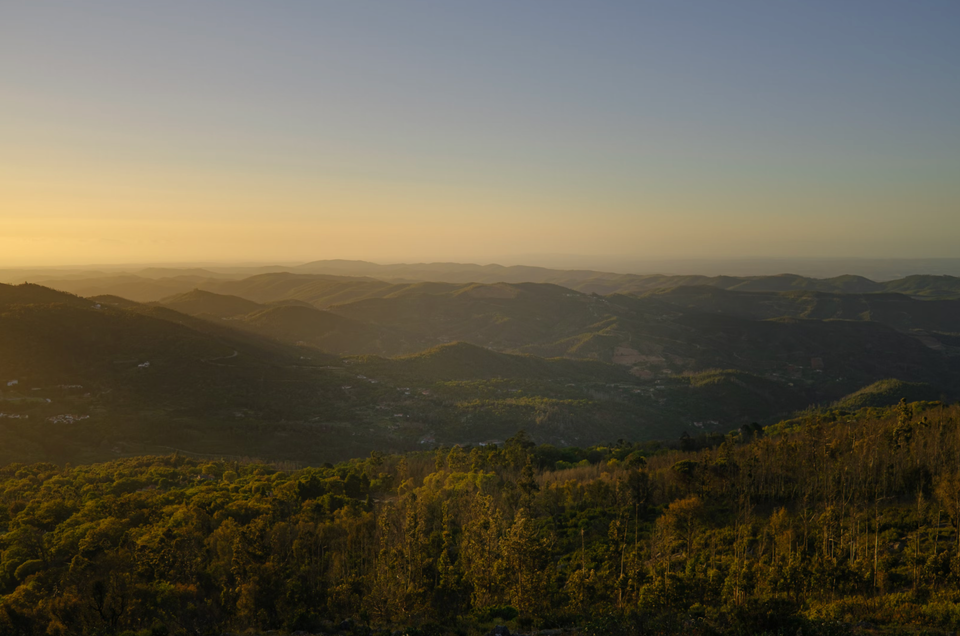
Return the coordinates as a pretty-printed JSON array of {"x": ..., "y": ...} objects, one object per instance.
[{"x": 834, "y": 522}]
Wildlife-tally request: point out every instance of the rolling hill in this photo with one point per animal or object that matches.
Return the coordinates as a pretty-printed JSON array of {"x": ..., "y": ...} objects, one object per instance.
[
  {"x": 86, "y": 380},
  {"x": 90, "y": 379},
  {"x": 896, "y": 310},
  {"x": 888, "y": 393},
  {"x": 321, "y": 329},
  {"x": 439, "y": 363},
  {"x": 198, "y": 302},
  {"x": 656, "y": 338},
  {"x": 291, "y": 321},
  {"x": 833, "y": 343}
]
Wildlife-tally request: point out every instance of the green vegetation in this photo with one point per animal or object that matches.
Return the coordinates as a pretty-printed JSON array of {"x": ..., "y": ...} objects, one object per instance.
[
  {"x": 842, "y": 522},
  {"x": 887, "y": 393}
]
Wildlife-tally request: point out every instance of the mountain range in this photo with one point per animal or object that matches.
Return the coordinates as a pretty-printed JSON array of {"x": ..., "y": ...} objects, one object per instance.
[
  {"x": 320, "y": 366},
  {"x": 154, "y": 283}
]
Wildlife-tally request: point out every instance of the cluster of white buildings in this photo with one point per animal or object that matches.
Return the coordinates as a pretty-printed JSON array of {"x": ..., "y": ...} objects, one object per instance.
[{"x": 67, "y": 418}]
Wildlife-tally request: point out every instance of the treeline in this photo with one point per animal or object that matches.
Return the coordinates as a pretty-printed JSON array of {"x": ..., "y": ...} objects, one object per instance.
[{"x": 834, "y": 523}]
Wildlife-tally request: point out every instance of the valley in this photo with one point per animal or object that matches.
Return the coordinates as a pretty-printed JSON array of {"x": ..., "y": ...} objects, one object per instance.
[{"x": 311, "y": 368}]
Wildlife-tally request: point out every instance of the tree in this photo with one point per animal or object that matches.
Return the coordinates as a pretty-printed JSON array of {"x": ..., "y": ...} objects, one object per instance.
[
  {"x": 522, "y": 564},
  {"x": 682, "y": 519},
  {"x": 528, "y": 481}
]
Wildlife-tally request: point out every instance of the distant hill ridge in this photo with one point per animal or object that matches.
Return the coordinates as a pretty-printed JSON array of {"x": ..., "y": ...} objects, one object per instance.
[{"x": 312, "y": 282}]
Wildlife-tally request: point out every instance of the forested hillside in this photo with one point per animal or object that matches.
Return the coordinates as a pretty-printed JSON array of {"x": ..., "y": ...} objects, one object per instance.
[{"x": 843, "y": 522}]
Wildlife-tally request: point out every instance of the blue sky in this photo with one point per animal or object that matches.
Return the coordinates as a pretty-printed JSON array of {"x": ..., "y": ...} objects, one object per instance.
[{"x": 428, "y": 130}]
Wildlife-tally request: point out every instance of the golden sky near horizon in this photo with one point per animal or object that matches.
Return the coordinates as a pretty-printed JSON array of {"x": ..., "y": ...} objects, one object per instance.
[
  {"x": 242, "y": 132},
  {"x": 82, "y": 222}
]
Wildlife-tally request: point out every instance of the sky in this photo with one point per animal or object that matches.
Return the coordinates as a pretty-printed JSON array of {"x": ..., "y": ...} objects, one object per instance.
[{"x": 415, "y": 131}]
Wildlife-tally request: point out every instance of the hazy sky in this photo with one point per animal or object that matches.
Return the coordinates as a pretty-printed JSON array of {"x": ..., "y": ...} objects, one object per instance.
[{"x": 258, "y": 131}]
